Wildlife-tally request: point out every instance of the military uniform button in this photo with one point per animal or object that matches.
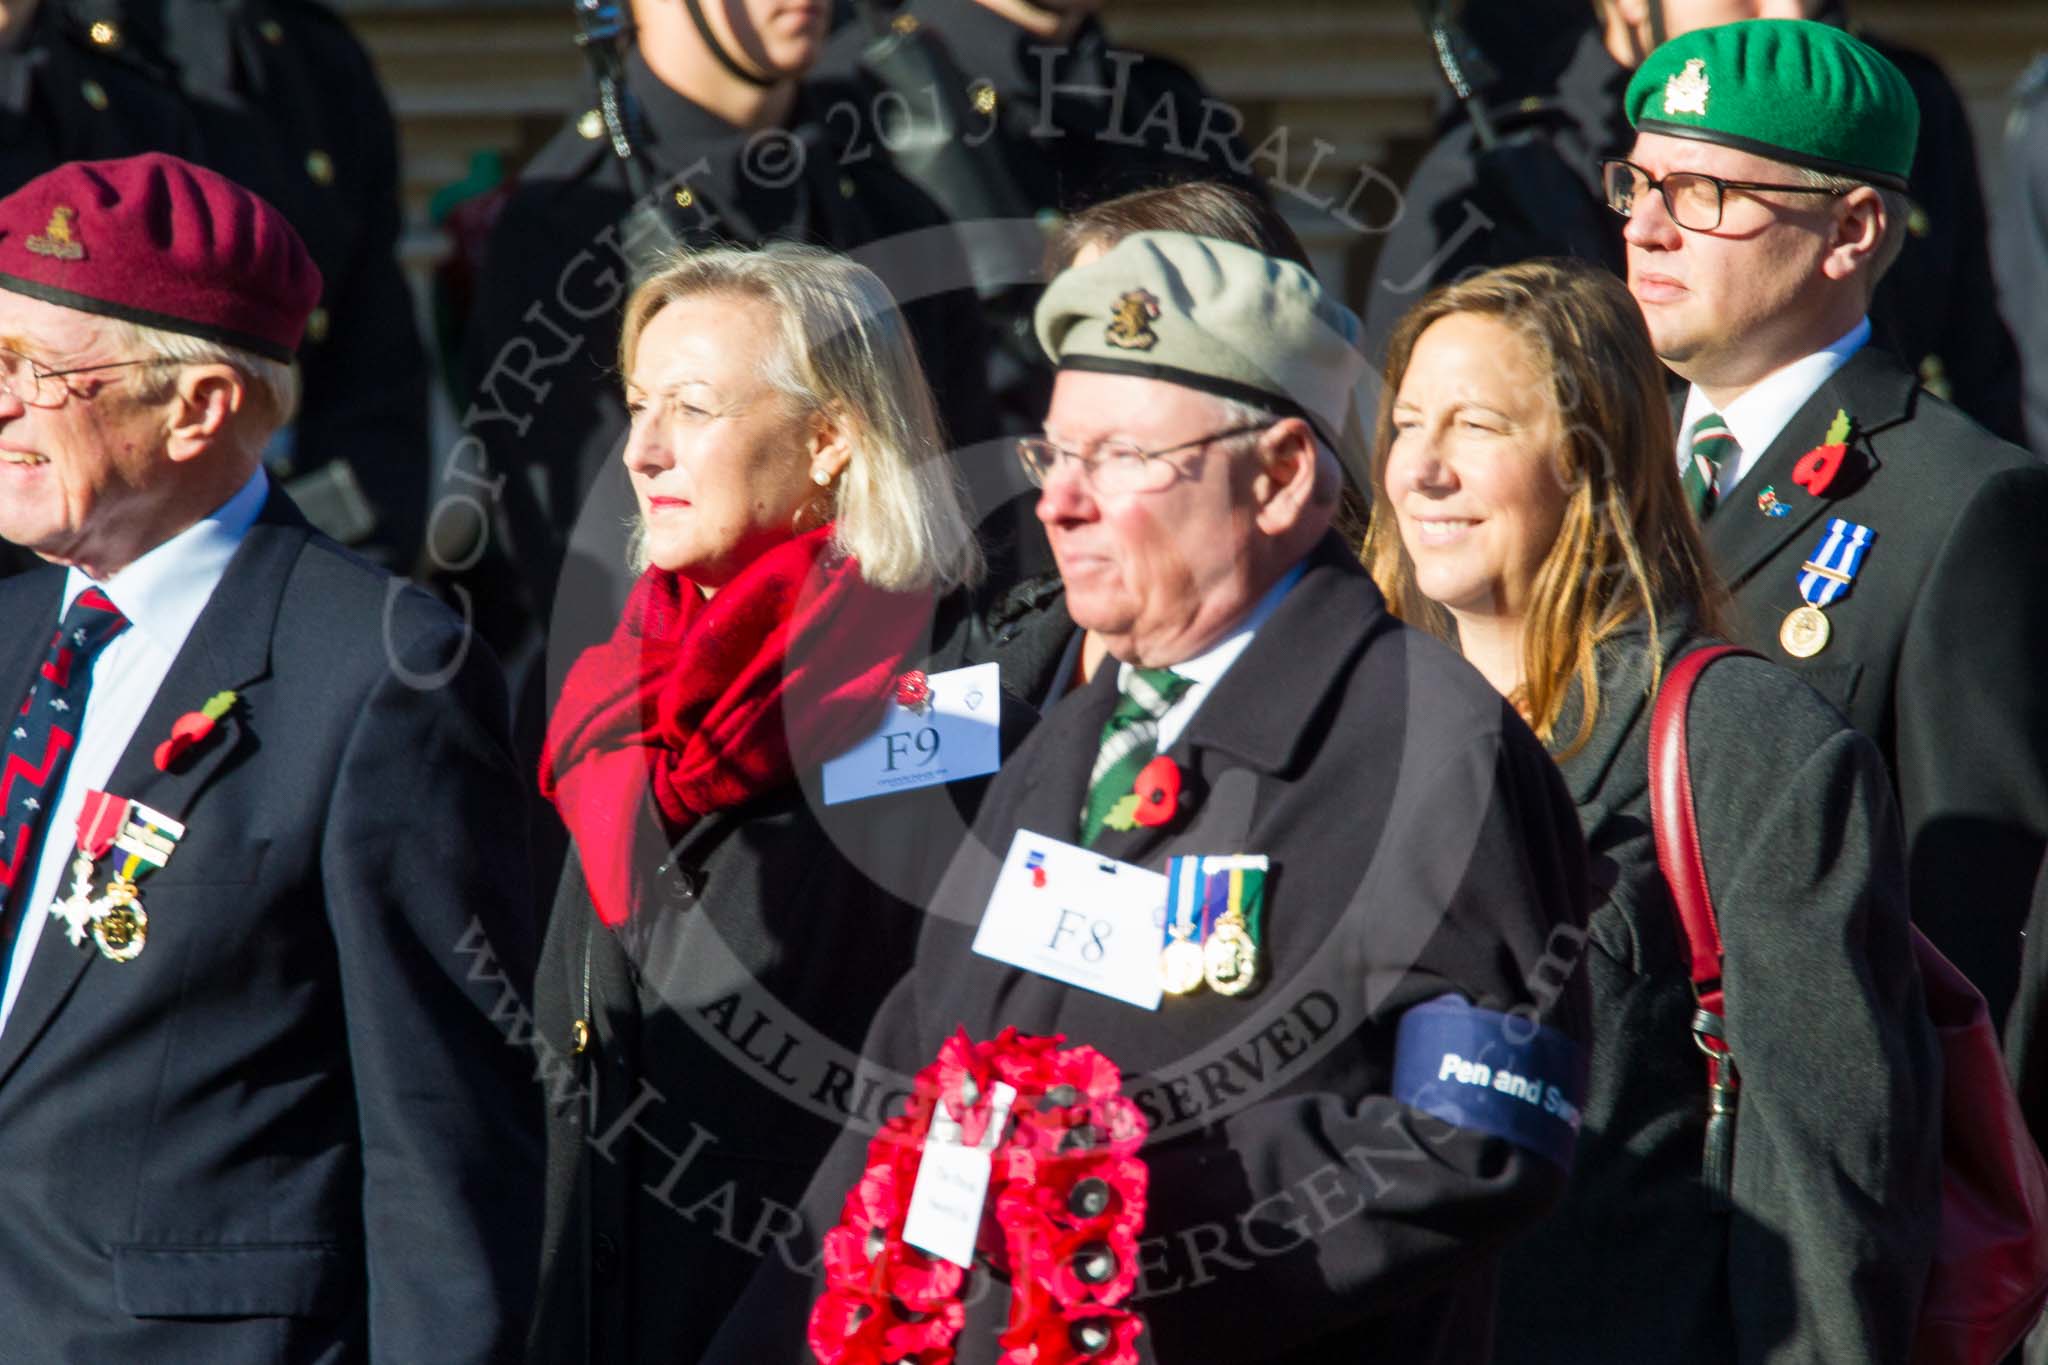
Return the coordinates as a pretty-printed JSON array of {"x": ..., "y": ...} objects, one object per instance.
[
  {"x": 1934, "y": 376},
  {"x": 320, "y": 166},
  {"x": 316, "y": 326},
  {"x": 905, "y": 24},
  {"x": 984, "y": 97},
  {"x": 591, "y": 125},
  {"x": 104, "y": 34},
  {"x": 94, "y": 94},
  {"x": 846, "y": 187},
  {"x": 685, "y": 197},
  {"x": 579, "y": 1037},
  {"x": 1917, "y": 223},
  {"x": 272, "y": 31}
]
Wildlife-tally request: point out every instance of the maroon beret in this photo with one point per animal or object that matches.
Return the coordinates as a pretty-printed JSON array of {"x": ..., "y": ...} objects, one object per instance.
[{"x": 158, "y": 241}]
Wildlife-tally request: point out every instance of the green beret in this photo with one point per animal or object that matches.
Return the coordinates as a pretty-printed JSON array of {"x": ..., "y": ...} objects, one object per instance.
[
  {"x": 1209, "y": 315},
  {"x": 1790, "y": 89}
]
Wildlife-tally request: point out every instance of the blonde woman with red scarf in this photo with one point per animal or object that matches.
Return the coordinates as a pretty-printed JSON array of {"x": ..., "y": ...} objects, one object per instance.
[{"x": 722, "y": 936}]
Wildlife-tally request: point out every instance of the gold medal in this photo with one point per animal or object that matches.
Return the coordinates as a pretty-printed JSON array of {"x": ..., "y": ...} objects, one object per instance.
[
  {"x": 122, "y": 931},
  {"x": 1230, "y": 957},
  {"x": 1805, "y": 632},
  {"x": 1180, "y": 967}
]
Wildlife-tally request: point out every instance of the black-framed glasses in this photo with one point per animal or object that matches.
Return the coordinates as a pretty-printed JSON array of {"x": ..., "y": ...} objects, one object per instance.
[
  {"x": 1692, "y": 199},
  {"x": 1118, "y": 466},
  {"x": 40, "y": 387}
]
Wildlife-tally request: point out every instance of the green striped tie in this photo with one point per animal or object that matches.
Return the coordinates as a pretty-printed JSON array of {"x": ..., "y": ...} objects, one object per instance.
[
  {"x": 1713, "y": 445},
  {"x": 1130, "y": 740}
]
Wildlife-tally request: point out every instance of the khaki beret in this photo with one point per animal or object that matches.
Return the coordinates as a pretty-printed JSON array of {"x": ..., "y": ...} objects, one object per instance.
[{"x": 1209, "y": 315}]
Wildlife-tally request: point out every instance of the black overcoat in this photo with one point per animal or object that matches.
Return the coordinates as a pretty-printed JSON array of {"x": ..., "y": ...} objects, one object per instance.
[
  {"x": 1837, "y": 1133},
  {"x": 726, "y": 1022},
  {"x": 1423, "y": 844}
]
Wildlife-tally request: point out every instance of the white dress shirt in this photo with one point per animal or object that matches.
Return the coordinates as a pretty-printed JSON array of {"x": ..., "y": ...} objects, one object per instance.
[
  {"x": 161, "y": 594},
  {"x": 1763, "y": 410},
  {"x": 1205, "y": 668}
]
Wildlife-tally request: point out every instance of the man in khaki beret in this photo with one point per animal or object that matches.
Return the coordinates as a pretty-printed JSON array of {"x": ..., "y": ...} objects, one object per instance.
[{"x": 1378, "y": 870}]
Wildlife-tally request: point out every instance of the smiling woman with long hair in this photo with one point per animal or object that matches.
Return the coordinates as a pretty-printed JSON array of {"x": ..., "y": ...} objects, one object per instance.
[
  {"x": 722, "y": 936},
  {"x": 1530, "y": 513}
]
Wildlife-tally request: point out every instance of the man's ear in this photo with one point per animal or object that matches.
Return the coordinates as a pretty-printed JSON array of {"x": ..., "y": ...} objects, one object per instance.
[
  {"x": 1284, "y": 484},
  {"x": 204, "y": 405},
  {"x": 1860, "y": 225}
]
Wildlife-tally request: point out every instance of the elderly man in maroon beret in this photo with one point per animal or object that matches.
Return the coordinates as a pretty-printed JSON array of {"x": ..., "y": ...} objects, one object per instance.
[{"x": 263, "y": 929}]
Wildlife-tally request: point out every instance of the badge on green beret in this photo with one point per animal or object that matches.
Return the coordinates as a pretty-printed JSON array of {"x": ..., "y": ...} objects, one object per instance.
[{"x": 1686, "y": 92}]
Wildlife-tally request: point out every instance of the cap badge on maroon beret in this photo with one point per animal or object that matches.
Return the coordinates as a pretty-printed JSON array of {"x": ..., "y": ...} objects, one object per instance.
[
  {"x": 1686, "y": 91},
  {"x": 1130, "y": 322},
  {"x": 60, "y": 238}
]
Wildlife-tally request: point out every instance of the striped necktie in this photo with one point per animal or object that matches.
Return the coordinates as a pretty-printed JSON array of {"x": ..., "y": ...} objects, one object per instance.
[
  {"x": 1713, "y": 445},
  {"x": 1130, "y": 740},
  {"x": 39, "y": 741}
]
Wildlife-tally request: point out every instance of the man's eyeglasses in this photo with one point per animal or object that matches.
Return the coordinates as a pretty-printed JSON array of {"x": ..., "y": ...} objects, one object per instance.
[
  {"x": 1693, "y": 200},
  {"x": 1115, "y": 467},
  {"x": 38, "y": 387}
]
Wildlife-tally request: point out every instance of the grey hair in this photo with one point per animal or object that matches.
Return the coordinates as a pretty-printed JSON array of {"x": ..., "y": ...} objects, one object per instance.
[
  {"x": 1898, "y": 209},
  {"x": 900, "y": 506},
  {"x": 271, "y": 387}
]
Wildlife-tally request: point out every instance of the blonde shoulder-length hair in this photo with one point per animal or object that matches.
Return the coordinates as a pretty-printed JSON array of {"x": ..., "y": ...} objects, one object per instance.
[
  {"x": 1627, "y": 547},
  {"x": 900, "y": 506}
]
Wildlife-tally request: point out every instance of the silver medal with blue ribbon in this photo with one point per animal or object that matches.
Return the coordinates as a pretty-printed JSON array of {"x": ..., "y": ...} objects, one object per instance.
[
  {"x": 1826, "y": 576},
  {"x": 1180, "y": 959}
]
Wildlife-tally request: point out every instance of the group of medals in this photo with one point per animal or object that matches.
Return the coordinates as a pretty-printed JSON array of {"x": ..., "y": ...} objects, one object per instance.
[
  {"x": 111, "y": 912},
  {"x": 1214, "y": 908}
]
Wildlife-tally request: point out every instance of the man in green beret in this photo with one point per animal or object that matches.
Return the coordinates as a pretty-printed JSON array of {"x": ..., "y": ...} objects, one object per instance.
[
  {"x": 1381, "y": 872},
  {"x": 1876, "y": 540}
]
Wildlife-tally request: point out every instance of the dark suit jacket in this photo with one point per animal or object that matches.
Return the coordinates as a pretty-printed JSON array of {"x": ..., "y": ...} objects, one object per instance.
[
  {"x": 291, "y": 1131},
  {"x": 1837, "y": 1137},
  {"x": 1422, "y": 844},
  {"x": 1935, "y": 650}
]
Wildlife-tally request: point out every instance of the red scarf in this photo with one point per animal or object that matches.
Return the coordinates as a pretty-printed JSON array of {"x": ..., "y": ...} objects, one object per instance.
[{"x": 706, "y": 703}]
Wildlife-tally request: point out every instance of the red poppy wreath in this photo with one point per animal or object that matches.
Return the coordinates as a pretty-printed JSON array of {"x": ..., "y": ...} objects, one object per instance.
[{"x": 1067, "y": 1198}]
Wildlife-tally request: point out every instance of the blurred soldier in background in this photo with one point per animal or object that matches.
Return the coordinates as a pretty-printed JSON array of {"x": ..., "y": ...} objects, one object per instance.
[
  {"x": 1051, "y": 117},
  {"x": 68, "y": 93},
  {"x": 731, "y": 142},
  {"x": 1468, "y": 205},
  {"x": 287, "y": 104},
  {"x": 1514, "y": 170},
  {"x": 2021, "y": 243}
]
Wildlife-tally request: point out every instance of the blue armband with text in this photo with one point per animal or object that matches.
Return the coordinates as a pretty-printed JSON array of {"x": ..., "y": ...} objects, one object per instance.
[{"x": 1503, "y": 1075}]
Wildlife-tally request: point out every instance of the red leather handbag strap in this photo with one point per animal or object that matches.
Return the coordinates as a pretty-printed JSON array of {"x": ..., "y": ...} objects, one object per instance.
[{"x": 1673, "y": 822}]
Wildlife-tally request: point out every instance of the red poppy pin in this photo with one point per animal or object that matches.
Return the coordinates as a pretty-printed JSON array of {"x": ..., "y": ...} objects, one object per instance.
[
  {"x": 192, "y": 729},
  {"x": 1154, "y": 798},
  {"x": 914, "y": 691},
  {"x": 1817, "y": 467}
]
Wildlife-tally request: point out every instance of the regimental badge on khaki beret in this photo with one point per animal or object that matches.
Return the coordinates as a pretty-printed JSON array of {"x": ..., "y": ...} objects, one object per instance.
[
  {"x": 60, "y": 239},
  {"x": 1686, "y": 91},
  {"x": 1130, "y": 322}
]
